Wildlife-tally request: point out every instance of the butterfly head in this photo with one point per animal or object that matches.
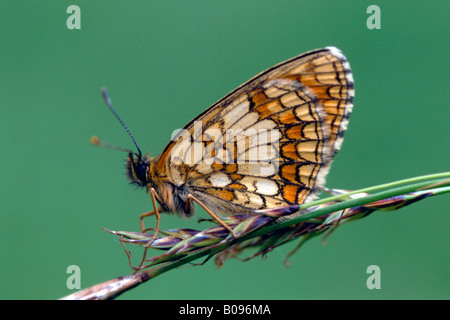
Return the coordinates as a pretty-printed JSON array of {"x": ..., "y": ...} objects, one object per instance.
[
  {"x": 137, "y": 169},
  {"x": 137, "y": 166}
]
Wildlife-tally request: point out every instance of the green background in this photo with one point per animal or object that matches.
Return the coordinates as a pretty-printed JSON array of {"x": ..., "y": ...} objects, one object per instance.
[{"x": 163, "y": 63}]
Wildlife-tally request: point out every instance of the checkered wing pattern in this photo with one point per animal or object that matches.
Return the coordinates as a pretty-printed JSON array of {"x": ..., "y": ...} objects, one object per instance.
[{"x": 270, "y": 142}]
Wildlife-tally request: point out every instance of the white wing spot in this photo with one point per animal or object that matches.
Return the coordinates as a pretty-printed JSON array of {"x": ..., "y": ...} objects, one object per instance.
[
  {"x": 266, "y": 187},
  {"x": 219, "y": 180}
]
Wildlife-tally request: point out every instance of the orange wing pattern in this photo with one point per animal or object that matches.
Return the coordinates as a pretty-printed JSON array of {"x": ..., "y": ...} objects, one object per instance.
[{"x": 270, "y": 142}]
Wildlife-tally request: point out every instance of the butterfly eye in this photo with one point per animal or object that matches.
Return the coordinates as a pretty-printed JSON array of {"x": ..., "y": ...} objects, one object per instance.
[
  {"x": 137, "y": 168},
  {"x": 141, "y": 172}
]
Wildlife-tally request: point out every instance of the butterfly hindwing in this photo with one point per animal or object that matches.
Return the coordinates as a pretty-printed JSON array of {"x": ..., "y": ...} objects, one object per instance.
[{"x": 270, "y": 142}]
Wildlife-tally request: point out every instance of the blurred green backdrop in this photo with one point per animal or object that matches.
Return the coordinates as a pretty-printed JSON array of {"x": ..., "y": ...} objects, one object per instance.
[{"x": 166, "y": 61}]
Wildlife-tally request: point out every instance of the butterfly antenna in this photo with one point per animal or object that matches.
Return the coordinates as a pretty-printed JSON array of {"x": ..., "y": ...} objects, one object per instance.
[
  {"x": 97, "y": 142},
  {"x": 109, "y": 104}
]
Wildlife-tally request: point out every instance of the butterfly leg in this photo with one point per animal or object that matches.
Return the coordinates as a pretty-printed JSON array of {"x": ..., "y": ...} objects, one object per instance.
[
  {"x": 154, "y": 212},
  {"x": 190, "y": 197}
]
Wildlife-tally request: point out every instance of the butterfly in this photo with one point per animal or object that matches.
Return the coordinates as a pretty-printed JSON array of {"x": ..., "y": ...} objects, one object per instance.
[{"x": 267, "y": 144}]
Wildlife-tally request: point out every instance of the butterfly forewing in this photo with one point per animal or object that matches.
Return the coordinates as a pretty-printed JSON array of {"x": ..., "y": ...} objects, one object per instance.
[{"x": 270, "y": 142}]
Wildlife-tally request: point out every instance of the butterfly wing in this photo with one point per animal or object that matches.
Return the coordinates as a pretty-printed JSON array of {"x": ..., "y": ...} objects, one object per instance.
[{"x": 270, "y": 142}]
